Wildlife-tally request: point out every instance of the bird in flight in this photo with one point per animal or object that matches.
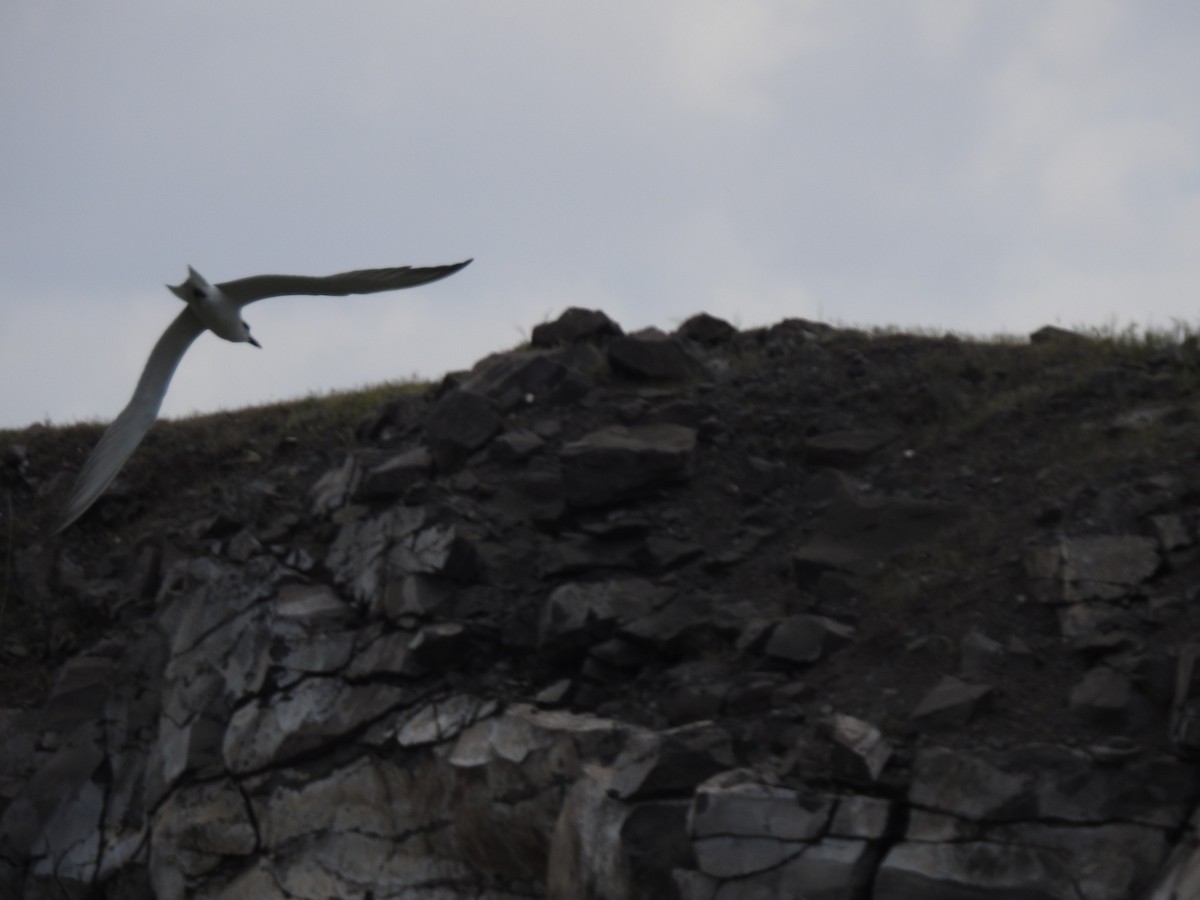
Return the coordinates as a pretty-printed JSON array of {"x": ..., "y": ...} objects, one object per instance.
[{"x": 217, "y": 307}]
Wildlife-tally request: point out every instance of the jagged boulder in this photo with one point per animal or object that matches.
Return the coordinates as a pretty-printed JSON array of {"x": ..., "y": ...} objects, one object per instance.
[
  {"x": 461, "y": 423},
  {"x": 652, "y": 355},
  {"x": 618, "y": 463},
  {"x": 706, "y": 329},
  {"x": 575, "y": 324},
  {"x": 512, "y": 380}
]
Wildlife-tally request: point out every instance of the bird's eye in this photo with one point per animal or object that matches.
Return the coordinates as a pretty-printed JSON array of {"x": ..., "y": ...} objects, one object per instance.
[{"x": 197, "y": 294}]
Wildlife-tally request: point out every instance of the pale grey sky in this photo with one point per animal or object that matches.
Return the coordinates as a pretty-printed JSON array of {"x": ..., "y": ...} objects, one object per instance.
[{"x": 977, "y": 165}]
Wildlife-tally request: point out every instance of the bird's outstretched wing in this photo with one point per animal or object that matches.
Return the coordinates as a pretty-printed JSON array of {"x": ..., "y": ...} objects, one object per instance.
[
  {"x": 128, "y": 429},
  {"x": 361, "y": 281}
]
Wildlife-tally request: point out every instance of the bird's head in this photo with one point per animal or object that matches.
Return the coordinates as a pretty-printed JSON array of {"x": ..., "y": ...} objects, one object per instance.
[{"x": 194, "y": 288}]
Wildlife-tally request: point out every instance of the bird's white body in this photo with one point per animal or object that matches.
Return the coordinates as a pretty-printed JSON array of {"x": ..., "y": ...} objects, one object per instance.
[
  {"x": 216, "y": 308},
  {"x": 216, "y": 312}
]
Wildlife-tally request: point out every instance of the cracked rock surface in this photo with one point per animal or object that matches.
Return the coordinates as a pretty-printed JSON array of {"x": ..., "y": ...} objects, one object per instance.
[{"x": 711, "y": 615}]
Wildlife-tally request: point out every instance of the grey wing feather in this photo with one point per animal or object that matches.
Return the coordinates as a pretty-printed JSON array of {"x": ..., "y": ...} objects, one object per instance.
[
  {"x": 128, "y": 429},
  {"x": 361, "y": 281}
]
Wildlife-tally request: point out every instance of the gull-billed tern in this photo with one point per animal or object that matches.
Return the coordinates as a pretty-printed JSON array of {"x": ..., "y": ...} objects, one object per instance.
[{"x": 218, "y": 308}]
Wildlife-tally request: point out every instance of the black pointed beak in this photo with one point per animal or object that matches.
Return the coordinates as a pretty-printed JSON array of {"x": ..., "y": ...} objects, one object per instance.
[{"x": 254, "y": 342}]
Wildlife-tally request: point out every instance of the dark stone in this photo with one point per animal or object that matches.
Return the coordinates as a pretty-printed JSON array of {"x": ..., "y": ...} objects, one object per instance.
[
  {"x": 220, "y": 525},
  {"x": 968, "y": 786},
  {"x": 547, "y": 428},
  {"x": 746, "y": 809},
  {"x": 15, "y": 457},
  {"x": 1050, "y": 334},
  {"x": 537, "y": 496},
  {"x": 706, "y": 329},
  {"x": 855, "y": 534},
  {"x": 789, "y": 334},
  {"x": 671, "y": 762},
  {"x": 805, "y": 639},
  {"x": 1105, "y": 643},
  {"x": 846, "y": 448},
  {"x": 573, "y": 325},
  {"x": 335, "y": 486},
  {"x": 515, "y": 446},
  {"x": 672, "y": 628},
  {"x": 663, "y": 552},
  {"x": 1184, "y": 694},
  {"x": 652, "y": 355},
  {"x": 756, "y": 695},
  {"x": 692, "y": 413},
  {"x": 393, "y": 477},
  {"x": 917, "y": 870},
  {"x": 616, "y": 524},
  {"x": 1114, "y": 751},
  {"x": 821, "y": 555},
  {"x": 440, "y": 646},
  {"x": 951, "y": 703},
  {"x": 619, "y": 463},
  {"x": 460, "y": 424},
  {"x": 981, "y": 657},
  {"x": 577, "y": 615},
  {"x": 1105, "y": 698},
  {"x": 859, "y": 750},
  {"x": 1107, "y": 567},
  {"x": 618, "y": 654},
  {"x": 1185, "y": 731},
  {"x": 1050, "y": 781},
  {"x": 756, "y": 477},
  {"x": 512, "y": 380},
  {"x": 415, "y": 595},
  {"x": 693, "y": 702},
  {"x": 554, "y": 694},
  {"x": 447, "y": 550},
  {"x": 656, "y": 846},
  {"x": 1172, "y": 532},
  {"x": 575, "y": 554},
  {"x": 386, "y": 423}
]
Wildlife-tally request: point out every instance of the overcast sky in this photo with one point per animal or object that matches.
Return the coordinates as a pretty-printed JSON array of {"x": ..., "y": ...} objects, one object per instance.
[{"x": 975, "y": 165}]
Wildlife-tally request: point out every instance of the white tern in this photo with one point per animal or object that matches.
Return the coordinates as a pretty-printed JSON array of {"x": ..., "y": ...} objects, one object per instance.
[{"x": 218, "y": 308}]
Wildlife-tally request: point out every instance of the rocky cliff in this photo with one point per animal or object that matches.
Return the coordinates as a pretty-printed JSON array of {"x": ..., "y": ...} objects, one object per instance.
[{"x": 716, "y": 615}]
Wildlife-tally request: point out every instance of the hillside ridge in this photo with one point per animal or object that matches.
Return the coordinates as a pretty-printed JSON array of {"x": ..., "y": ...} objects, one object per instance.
[{"x": 802, "y": 607}]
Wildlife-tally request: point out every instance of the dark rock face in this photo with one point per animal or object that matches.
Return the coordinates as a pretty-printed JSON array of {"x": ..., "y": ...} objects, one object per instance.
[
  {"x": 846, "y": 448},
  {"x": 806, "y": 639},
  {"x": 951, "y": 703},
  {"x": 796, "y": 612},
  {"x": 461, "y": 423},
  {"x": 856, "y": 535},
  {"x": 394, "y": 476},
  {"x": 520, "y": 379},
  {"x": 616, "y": 463}
]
